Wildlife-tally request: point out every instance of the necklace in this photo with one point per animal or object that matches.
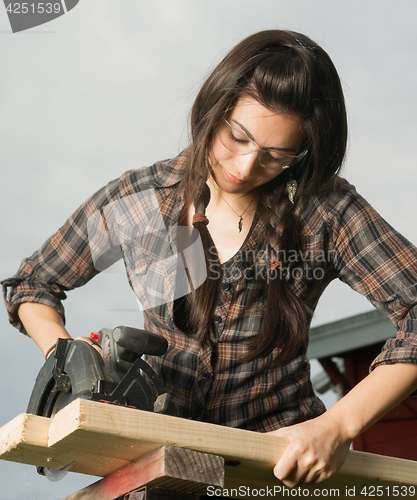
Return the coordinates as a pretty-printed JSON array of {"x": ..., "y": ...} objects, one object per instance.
[{"x": 240, "y": 223}]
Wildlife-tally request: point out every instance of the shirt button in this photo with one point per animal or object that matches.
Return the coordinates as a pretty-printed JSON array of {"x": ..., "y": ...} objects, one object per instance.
[
  {"x": 226, "y": 285},
  {"x": 217, "y": 319},
  {"x": 205, "y": 375}
]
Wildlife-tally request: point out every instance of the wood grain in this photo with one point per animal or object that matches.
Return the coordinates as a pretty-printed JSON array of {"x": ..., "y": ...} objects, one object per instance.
[
  {"x": 174, "y": 469},
  {"x": 102, "y": 438}
]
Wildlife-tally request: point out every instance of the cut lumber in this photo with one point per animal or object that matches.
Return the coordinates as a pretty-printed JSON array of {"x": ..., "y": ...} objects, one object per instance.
[
  {"x": 174, "y": 469},
  {"x": 101, "y": 438},
  {"x": 119, "y": 432},
  {"x": 25, "y": 440}
]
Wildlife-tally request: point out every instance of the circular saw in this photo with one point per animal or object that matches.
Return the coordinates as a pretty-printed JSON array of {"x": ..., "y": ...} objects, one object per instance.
[{"x": 120, "y": 376}]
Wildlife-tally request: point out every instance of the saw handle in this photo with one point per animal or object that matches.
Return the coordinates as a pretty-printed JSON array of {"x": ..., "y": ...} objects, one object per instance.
[{"x": 140, "y": 341}]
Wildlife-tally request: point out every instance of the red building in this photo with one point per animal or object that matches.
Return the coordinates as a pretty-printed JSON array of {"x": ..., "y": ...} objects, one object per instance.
[{"x": 345, "y": 349}]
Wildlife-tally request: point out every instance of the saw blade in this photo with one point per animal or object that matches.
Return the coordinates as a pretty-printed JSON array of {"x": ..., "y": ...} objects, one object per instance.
[{"x": 55, "y": 474}]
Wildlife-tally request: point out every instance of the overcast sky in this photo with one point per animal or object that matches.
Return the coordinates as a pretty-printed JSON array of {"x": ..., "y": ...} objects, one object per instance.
[{"x": 108, "y": 87}]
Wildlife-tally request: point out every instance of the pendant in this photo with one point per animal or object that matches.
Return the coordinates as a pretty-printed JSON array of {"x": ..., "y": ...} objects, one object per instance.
[
  {"x": 240, "y": 223},
  {"x": 291, "y": 189}
]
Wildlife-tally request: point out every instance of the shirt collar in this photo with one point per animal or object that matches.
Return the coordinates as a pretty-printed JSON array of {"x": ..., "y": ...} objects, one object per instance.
[{"x": 172, "y": 170}]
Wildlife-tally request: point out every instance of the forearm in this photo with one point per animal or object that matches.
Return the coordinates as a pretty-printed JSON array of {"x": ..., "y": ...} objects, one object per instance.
[
  {"x": 374, "y": 396},
  {"x": 43, "y": 324}
]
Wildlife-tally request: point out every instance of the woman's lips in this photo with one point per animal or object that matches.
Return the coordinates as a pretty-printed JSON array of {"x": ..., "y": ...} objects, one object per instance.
[{"x": 233, "y": 179}]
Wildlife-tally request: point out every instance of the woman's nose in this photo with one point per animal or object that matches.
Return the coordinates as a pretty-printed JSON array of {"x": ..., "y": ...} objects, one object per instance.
[{"x": 246, "y": 163}]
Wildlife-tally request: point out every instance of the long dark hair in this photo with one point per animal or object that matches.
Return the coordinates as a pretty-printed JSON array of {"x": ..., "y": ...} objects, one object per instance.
[{"x": 288, "y": 73}]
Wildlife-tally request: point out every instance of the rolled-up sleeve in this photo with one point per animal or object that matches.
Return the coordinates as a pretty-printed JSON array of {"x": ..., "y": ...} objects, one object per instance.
[
  {"x": 63, "y": 263},
  {"x": 378, "y": 262}
]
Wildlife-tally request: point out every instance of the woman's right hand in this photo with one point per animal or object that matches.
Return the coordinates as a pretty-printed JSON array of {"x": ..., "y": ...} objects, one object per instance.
[{"x": 96, "y": 346}]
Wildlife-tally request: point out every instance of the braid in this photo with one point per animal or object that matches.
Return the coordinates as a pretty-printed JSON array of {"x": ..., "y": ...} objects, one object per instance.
[
  {"x": 202, "y": 302},
  {"x": 287, "y": 325}
]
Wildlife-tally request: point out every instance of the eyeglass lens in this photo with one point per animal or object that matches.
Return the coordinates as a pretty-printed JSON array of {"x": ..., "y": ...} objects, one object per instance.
[{"x": 237, "y": 142}]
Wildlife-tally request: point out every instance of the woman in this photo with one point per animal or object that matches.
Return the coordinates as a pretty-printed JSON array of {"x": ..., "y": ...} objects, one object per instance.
[{"x": 259, "y": 183}]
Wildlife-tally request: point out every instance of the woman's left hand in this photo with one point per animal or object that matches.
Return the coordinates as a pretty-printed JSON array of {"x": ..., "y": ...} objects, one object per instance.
[{"x": 317, "y": 449}]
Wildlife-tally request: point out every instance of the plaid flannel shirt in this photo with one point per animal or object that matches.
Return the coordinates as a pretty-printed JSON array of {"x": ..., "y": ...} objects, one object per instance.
[{"x": 343, "y": 237}]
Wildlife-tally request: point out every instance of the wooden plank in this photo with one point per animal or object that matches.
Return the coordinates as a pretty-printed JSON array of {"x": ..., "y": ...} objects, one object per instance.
[
  {"x": 174, "y": 469},
  {"x": 149, "y": 493},
  {"x": 114, "y": 435},
  {"x": 116, "y": 431},
  {"x": 25, "y": 440},
  {"x": 127, "y": 432}
]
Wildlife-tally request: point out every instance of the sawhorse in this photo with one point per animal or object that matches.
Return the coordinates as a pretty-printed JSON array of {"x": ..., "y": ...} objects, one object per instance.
[
  {"x": 148, "y": 493},
  {"x": 168, "y": 473}
]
